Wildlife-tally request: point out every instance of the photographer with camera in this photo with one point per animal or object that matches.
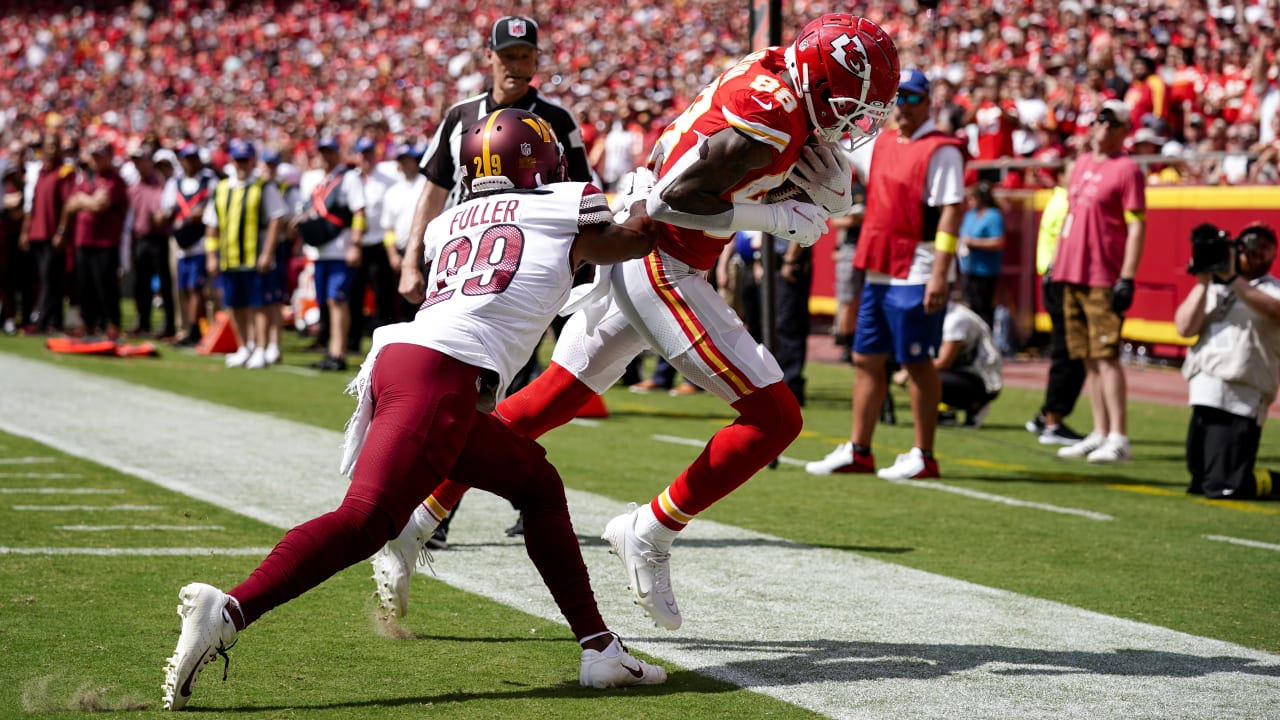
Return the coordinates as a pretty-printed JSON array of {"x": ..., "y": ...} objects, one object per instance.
[{"x": 1233, "y": 369}]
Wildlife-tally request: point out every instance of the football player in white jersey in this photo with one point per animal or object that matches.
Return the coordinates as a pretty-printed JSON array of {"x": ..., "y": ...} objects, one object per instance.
[{"x": 503, "y": 266}]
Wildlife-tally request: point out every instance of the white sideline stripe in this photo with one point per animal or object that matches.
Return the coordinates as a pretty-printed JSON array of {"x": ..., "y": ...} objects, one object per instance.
[
  {"x": 1241, "y": 541},
  {"x": 147, "y": 552},
  {"x": 585, "y": 422},
  {"x": 25, "y": 460},
  {"x": 61, "y": 491},
  {"x": 41, "y": 476},
  {"x": 833, "y": 631},
  {"x": 89, "y": 508},
  {"x": 293, "y": 370},
  {"x": 991, "y": 497},
  {"x": 692, "y": 442},
  {"x": 166, "y": 528},
  {"x": 674, "y": 440},
  {"x": 975, "y": 494}
]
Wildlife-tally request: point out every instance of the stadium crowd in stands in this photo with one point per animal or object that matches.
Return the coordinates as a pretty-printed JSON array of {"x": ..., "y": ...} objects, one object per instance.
[
  {"x": 1026, "y": 75},
  {"x": 1020, "y": 80}
]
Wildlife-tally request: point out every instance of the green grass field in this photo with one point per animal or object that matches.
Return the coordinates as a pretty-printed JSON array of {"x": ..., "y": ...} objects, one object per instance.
[{"x": 80, "y": 632}]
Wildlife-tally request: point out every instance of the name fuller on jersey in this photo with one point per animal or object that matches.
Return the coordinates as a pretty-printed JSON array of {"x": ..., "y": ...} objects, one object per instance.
[{"x": 486, "y": 213}]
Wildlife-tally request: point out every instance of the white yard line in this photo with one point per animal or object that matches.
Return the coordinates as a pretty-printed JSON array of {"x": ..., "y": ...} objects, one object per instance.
[
  {"x": 117, "y": 528},
  {"x": 833, "y": 631},
  {"x": 89, "y": 508},
  {"x": 1014, "y": 502},
  {"x": 1241, "y": 541},
  {"x": 25, "y": 460},
  {"x": 61, "y": 491},
  {"x": 146, "y": 552},
  {"x": 41, "y": 476}
]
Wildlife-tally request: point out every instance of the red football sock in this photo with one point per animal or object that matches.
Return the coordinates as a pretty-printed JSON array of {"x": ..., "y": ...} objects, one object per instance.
[
  {"x": 551, "y": 400},
  {"x": 448, "y": 494},
  {"x": 768, "y": 420}
]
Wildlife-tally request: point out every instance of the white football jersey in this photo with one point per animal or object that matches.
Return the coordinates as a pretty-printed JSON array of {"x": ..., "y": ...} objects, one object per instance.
[{"x": 500, "y": 272}]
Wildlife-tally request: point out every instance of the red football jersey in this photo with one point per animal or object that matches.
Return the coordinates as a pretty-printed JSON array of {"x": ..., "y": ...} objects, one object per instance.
[{"x": 751, "y": 98}]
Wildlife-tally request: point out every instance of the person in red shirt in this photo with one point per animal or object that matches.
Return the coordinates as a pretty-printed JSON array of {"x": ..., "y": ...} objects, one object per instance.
[
  {"x": 1147, "y": 94},
  {"x": 996, "y": 118},
  {"x": 54, "y": 185},
  {"x": 95, "y": 213},
  {"x": 1097, "y": 259}
]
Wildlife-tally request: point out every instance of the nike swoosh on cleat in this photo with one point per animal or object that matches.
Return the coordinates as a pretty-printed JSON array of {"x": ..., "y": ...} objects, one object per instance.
[
  {"x": 635, "y": 671},
  {"x": 185, "y": 689},
  {"x": 639, "y": 593}
]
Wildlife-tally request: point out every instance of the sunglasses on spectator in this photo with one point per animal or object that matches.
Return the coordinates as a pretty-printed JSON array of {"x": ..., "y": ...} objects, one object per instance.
[
  {"x": 1111, "y": 122},
  {"x": 910, "y": 98}
]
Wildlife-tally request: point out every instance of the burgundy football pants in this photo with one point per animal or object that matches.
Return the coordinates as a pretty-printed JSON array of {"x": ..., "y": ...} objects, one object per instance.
[{"x": 425, "y": 427}]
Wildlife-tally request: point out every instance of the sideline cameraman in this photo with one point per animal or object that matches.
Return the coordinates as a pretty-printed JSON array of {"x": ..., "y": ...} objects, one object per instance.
[{"x": 1233, "y": 369}]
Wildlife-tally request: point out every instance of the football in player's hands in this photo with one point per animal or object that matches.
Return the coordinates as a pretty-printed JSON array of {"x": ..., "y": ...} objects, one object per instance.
[{"x": 788, "y": 190}]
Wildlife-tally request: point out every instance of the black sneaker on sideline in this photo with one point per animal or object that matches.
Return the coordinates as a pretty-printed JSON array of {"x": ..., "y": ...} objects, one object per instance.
[
  {"x": 1035, "y": 425},
  {"x": 888, "y": 415},
  {"x": 330, "y": 363},
  {"x": 1059, "y": 434}
]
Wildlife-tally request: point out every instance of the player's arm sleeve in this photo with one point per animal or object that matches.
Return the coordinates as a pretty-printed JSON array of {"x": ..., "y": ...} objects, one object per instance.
[{"x": 594, "y": 207}]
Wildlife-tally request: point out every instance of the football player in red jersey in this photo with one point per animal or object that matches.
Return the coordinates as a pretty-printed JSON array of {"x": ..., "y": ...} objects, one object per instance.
[
  {"x": 775, "y": 115},
  {"x": 502, "y": 266}
]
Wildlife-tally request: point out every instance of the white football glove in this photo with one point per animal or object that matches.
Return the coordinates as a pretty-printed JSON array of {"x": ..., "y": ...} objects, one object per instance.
[
  {"x": 632, "y": 187},
  {"x": 798, "y": 221},
  {"x": 824, "y": 173}
]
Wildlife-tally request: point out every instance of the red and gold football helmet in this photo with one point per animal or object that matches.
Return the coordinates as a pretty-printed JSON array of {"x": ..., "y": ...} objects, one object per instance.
[{"x": 510, "y": 149}]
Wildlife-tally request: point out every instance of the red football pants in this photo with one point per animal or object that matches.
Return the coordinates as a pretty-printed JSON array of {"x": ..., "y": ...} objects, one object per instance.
[{"x": 425, "y": 427}]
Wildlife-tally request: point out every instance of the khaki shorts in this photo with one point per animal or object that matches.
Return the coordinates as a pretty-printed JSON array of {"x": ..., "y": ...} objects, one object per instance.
[{"x": 1091, "y": 326}]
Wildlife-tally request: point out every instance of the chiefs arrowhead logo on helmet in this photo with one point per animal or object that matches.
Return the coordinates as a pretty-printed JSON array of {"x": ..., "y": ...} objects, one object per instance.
[
  {"x": 845, "y": 68},
  {"x": 856, "y": 63},
  {"x": 510, "y": 149}
]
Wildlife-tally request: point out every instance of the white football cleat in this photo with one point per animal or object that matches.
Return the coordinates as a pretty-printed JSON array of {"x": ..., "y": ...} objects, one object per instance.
[
  {"x": 648, "y": 569},
  {"x": 615, "y": 667},
  {"x": 394, "y": 563},
  {"x": 207, "y": 632}
]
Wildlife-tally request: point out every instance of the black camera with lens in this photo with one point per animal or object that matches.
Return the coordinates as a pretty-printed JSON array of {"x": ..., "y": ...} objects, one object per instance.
[{"x": 1211, "y": 250}]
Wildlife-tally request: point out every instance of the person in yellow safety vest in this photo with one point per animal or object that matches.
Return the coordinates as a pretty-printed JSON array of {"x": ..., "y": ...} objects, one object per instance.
[{"x": 242, "y": 230}]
